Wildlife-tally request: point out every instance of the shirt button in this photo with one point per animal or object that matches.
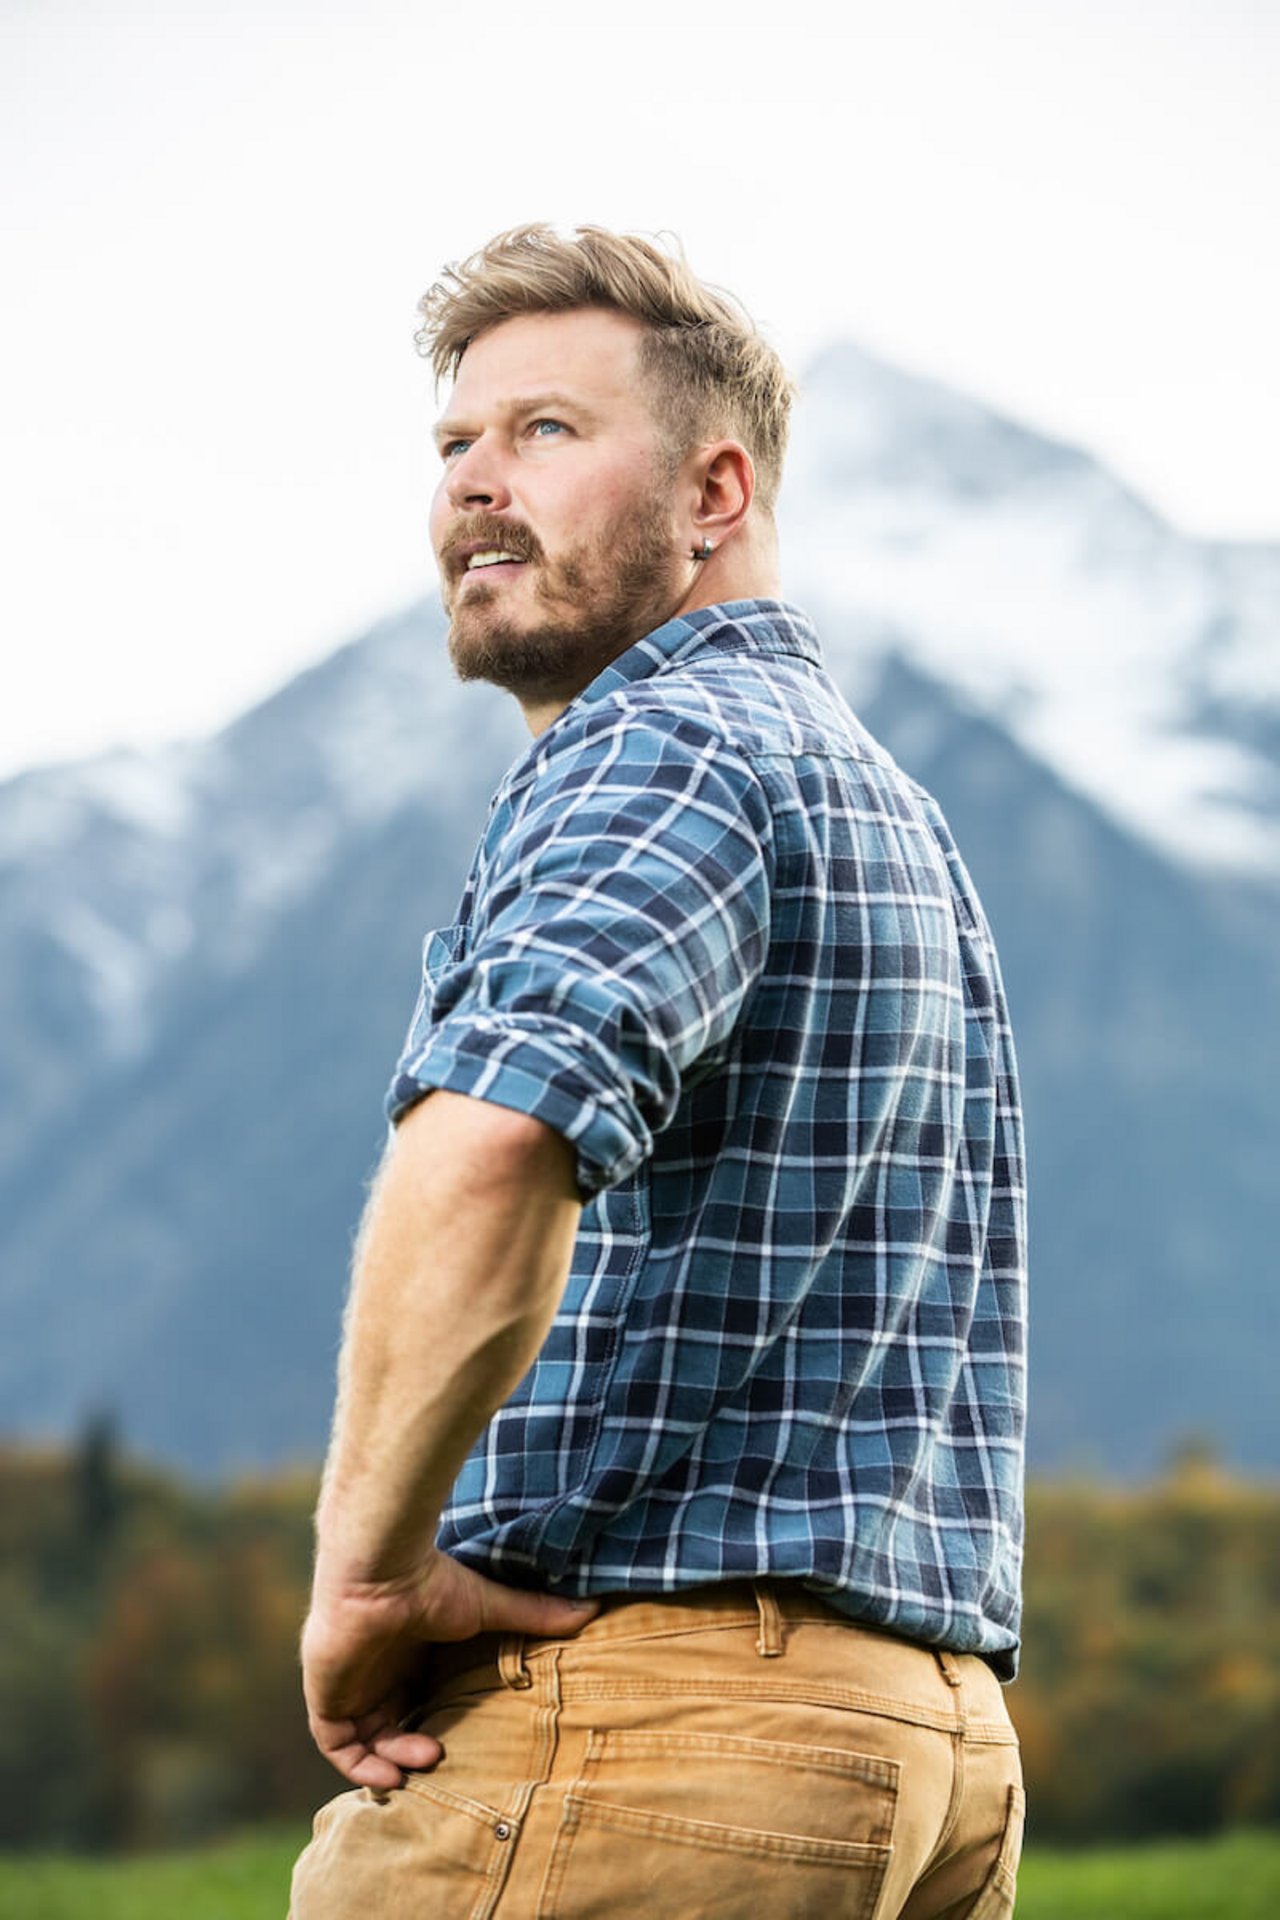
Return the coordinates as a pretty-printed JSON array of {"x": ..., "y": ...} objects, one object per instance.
[{"x": 502, "y": 1831}]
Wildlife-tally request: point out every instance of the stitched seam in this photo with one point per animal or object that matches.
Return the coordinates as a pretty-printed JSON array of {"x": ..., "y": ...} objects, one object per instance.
[
  {"x": 705, "y": 1833},
  {"x": 770, "y": 1689},
  {"x": 870, "y": 1769}
]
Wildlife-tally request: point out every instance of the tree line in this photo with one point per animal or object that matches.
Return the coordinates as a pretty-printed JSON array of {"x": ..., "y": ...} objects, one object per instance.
[{"x": 148, "y": 1653}]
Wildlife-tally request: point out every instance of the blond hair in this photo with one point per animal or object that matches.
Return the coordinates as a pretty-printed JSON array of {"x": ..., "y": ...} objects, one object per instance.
[{"x": 709, "y": 371}]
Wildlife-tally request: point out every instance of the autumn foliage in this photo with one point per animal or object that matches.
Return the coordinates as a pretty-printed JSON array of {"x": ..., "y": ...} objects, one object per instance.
[{"x": 148, "y": 1669}]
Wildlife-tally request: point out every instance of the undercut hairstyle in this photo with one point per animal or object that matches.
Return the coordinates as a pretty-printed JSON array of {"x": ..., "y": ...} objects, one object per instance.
[{"x": 710, "y": 373}]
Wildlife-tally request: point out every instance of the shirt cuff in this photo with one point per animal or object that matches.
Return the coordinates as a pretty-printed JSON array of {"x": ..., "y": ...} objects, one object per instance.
[{"x": 548, "y": 1069}]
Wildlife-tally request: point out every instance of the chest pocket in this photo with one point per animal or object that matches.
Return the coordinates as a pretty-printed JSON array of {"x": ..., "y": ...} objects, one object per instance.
[{"x": 441, "y": 950}]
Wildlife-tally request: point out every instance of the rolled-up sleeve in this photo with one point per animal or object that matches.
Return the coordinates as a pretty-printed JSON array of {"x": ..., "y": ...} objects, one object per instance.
[{"x": 619, "y": 924}]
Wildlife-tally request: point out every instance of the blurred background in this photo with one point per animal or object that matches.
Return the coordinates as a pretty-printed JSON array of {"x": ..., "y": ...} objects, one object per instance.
[{"x": 1021, "y": 259}]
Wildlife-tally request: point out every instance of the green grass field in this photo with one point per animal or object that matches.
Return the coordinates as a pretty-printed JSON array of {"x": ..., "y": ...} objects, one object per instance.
[
  {"x": 1236, "y": 1877},
  {"x": 1233, "y": 1878}
]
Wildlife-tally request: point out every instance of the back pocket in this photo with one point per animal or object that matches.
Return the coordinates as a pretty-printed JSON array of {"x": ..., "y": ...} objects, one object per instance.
[
  {"x": 441, "y": 950},
  {"x": 712, "y": 1825}
]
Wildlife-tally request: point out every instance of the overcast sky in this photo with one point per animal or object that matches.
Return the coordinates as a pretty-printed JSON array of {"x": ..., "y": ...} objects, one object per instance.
[{"x": 215, "y": 464}]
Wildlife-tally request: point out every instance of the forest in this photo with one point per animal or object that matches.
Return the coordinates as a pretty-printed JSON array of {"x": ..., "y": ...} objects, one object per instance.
[{"x": 148, "y": 1670}]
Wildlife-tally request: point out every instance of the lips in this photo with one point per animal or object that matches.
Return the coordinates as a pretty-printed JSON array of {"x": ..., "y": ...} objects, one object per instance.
[
  {"x": 493, "y": 571},
  {"x": 479, "y": 545}
]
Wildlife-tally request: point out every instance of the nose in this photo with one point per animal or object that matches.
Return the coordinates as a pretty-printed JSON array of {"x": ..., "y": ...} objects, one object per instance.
[{"x": 475, "y": 478}]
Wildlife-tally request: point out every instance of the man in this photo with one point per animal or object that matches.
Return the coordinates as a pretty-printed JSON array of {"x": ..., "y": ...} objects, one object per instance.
[{"x": 668, "y": 1550}]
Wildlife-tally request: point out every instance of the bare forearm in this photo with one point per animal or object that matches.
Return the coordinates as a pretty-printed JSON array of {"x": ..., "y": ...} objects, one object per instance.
[{"x": 462, "y": 1263}]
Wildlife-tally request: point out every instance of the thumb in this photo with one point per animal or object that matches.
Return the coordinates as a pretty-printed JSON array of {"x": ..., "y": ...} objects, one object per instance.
[{"x": 545, "y": 1616}]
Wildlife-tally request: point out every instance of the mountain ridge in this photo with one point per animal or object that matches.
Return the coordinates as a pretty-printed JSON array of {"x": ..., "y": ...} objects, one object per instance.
[{"x": 207, "y": 958}]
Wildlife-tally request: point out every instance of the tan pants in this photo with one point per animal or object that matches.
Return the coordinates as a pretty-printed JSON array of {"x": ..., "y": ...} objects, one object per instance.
[{"x": 738, "y": 1751}]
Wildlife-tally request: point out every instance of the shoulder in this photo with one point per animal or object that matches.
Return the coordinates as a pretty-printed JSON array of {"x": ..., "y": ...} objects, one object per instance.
[
  {"x": 648, "y": 740},
  {"x": 632, "y": 785}
]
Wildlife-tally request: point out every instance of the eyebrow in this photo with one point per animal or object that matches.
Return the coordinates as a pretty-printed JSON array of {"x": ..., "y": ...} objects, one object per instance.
[{"x": 522, "y": 403}]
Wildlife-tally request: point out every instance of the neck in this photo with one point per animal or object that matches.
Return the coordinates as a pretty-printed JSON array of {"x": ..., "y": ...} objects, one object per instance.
[{"x": 745, "y": 568}]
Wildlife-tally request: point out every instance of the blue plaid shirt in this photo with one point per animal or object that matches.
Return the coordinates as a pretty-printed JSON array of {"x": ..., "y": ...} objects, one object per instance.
[{"x": 718, "y": 940}]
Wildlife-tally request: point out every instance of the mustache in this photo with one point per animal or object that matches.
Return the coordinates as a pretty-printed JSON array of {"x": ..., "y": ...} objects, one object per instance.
[{"x": 487, "y": 530}]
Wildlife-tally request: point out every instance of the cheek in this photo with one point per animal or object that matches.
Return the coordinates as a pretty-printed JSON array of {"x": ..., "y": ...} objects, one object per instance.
[{"x": 438, "y": 516}]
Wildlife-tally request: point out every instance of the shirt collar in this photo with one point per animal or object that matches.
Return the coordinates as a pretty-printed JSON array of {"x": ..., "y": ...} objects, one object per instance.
[{"x": 732, "y": 626}]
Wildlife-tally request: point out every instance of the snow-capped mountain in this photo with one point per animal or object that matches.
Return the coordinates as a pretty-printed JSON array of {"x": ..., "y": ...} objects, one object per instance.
[
  {"x": 207, "y": 956},
  {"x": 1141, "y": 665},
  {"x": 119, "y": 873}
]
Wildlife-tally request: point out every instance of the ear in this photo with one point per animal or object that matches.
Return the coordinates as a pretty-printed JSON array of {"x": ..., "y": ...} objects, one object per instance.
[{"x": 723, "y": 485}]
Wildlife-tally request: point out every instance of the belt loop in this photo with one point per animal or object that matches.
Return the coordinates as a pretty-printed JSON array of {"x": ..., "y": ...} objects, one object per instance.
[
  {"x": 512, "y": 1670},
  {"x": 769, "y": 1639},
  {"x": 949, "y": 1667}
]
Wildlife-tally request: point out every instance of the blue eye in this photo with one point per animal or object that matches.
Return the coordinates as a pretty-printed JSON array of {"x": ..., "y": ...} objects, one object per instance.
[
  {"x": 451, "y": 447},
  {"x": 554, "y": 425}
]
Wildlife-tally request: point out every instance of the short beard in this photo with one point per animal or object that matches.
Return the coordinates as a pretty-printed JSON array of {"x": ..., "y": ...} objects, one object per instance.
[{"x": 619, "y": 591}]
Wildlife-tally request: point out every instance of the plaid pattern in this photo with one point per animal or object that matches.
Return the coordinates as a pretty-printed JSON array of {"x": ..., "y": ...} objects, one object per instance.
[{"x": 718, "y": 940}]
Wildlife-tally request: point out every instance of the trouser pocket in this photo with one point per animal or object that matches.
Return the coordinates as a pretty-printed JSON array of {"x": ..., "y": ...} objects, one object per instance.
[
  {"x": 721, "y": 1827},
  {"x": 396, "y": 1855}
]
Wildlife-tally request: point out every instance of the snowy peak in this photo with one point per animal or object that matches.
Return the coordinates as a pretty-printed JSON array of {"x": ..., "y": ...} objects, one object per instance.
[
  {"x": 868, "y": 423},
  {"x": 1142, "y": 666}
]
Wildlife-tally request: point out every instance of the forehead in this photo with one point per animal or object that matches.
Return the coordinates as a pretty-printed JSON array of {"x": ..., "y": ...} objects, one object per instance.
[{"x": 589, "y": 353}]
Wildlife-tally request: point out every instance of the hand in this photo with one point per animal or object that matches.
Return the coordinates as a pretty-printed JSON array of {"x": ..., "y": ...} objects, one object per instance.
[{"x": 362, "y": 1648}]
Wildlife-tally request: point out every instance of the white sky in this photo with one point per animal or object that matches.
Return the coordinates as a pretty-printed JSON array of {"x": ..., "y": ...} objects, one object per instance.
[{"x": 215, "y": 464}]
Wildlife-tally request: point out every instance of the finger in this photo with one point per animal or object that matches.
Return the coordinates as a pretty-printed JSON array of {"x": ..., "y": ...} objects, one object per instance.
[
  {"x": 362, "y": 1768},
  {"x": 345, "y": 1742},
  {"x": 384, "y": 1764},
  {"x": 415, "y": 1752},
  {"x": 547, "y": 1616}
]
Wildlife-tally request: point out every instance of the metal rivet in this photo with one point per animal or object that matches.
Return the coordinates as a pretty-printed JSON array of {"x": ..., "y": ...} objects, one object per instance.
[{"x": 502, "y": 1831}]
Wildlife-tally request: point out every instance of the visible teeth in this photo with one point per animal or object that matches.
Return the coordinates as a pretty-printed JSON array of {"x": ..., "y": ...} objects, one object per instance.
[{"x": 493, "y": 558}]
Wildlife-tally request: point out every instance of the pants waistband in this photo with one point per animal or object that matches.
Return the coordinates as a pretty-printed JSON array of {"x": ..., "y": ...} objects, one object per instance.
[{"x": 768, "y": 1604}]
